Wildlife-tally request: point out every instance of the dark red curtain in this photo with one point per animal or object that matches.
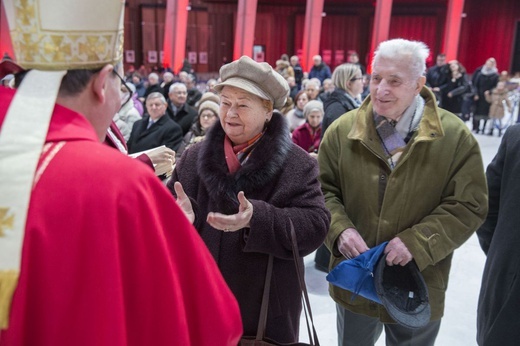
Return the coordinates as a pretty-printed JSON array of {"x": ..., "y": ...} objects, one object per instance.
[
  {"x": 417, "y": 28},
  {"x": 488, "y": 31}
]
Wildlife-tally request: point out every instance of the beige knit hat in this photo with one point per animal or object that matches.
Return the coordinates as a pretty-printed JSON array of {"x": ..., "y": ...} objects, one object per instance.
[{"x": 212, "y": 106}]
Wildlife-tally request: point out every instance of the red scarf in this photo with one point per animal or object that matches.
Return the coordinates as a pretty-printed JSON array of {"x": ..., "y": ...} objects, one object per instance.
[{"x": 242, "y": 151}]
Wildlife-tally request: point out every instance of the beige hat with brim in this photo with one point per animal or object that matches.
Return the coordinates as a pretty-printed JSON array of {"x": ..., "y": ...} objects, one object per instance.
[{"x": 259, "y": 79}]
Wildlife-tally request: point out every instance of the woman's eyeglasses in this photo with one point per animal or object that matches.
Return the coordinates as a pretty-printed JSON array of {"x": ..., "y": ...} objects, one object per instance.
[{"x": 355, "y": 79}]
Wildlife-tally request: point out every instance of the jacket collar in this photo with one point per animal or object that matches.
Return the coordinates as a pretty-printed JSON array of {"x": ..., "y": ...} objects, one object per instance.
[{"x": 430, "y": 127}]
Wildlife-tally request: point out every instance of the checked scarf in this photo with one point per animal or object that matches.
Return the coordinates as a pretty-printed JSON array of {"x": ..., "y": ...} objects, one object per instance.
[{"x": 395, "y": 135}]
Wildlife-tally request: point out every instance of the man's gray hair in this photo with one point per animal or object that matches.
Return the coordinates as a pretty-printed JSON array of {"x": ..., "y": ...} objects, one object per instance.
[
  {"x": 399, "y": 49},
  {"x": 177, "y": 85},
  {"x": 156, "y": 95}
]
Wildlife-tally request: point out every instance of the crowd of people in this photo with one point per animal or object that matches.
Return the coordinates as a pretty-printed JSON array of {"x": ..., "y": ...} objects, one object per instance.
[{"x": 96, "y": 250}]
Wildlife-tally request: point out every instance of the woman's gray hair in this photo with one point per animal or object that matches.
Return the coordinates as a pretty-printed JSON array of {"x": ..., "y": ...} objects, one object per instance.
[
  {"x": 400, "y": 49},
  {"x": 312, "y": 106},
  {"x": 343, "y": 74}
]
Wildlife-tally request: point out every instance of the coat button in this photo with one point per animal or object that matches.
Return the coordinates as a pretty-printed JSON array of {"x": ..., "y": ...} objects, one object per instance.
[{"x": 382, "y": 177}]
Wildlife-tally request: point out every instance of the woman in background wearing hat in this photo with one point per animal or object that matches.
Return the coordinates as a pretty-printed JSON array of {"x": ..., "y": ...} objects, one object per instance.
[
  {"x": 208, "y": 115},
  {"x": 240, "y": 187},
  {"x": 308, "y": 135}
]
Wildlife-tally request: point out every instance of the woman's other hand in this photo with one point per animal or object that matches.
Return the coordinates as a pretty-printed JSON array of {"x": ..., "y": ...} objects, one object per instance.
[
  {"x": 232, "y": 223},
  {"x": 183, "y": 201}
]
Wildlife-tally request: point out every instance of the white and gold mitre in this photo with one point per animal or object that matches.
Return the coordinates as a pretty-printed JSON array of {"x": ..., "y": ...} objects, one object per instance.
[
  {"x": 49, "y": 38},
  {"x": 65, "y": 35}
]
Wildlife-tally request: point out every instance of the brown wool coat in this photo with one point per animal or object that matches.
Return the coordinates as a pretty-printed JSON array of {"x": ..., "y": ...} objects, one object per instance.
[
  {"x": 281, "y": 181},
  {"x": 496, "y": 98}
]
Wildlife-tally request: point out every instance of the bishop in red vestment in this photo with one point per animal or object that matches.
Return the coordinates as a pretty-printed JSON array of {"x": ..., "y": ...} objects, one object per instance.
[{"x": 108, "y": 258}]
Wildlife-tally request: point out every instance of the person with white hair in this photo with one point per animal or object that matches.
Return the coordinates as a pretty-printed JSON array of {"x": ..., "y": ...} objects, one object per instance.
[
  {"x": 398, "y": 169},
  {"x": 308, "y": 135},
  {"x": 319, "y": 70},
  {"x": 168, "y": 80},
  {"x": 153, "y": 86},
  {"x": 178, "y": 108}
]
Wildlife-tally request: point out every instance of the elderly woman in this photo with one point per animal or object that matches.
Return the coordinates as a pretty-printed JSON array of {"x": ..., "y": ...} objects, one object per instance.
[
  {"x": 240, "y": 187},
  {"x": 208, "y": 115},
  {"x": 308, "y": 135},
  {"x": 349, "y": 85}
]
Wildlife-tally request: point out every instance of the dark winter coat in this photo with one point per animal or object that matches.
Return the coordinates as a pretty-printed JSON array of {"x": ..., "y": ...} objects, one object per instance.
[
  {"x": 164, "y": 132},
  {"x": 482, "y": 83},
  {"x": 497, "y": 319},
  {"x": 185, "y": 116},
  {"x": 280, "y": 180},
  {"x": 321, "y": 72},
  {"x": 456, "y": 88},
  {"x": 336, "y": 105}
]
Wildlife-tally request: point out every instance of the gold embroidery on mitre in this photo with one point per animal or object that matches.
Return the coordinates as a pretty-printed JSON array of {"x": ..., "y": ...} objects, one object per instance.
[
  {"x": 48, "y": 49},
  {"x": 6, "y": 222},
  {"x": 27, "y": 12}
]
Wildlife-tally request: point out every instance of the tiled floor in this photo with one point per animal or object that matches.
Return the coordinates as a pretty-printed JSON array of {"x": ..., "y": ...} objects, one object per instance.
[{"x": 458, "y": 326}]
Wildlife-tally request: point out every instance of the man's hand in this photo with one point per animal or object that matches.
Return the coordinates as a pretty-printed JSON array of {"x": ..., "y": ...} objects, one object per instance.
[
  {"x": 183, "y": 201},
  {"x": 351, "y": 244},
  {"x": 232, "y": 223},
  {"x": 397, "y": 253}
]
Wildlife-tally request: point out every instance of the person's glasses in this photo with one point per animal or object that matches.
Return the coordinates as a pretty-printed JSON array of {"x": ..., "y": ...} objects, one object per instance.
[
  {"x": 125, "y": 88},
  {"x": 356, "y": 78}
]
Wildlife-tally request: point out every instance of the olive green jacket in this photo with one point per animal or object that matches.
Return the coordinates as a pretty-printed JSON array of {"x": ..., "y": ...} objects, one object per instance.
[{"x": 433, "y": 200}]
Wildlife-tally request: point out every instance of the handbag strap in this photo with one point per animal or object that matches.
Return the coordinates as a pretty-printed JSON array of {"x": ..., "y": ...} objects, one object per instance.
[
  {"x": 260, "y": 331},
  {"x": 303, "y": 286}
]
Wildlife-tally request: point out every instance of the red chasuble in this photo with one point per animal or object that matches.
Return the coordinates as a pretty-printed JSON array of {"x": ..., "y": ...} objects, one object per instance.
[{"x": 108, "y": 258}]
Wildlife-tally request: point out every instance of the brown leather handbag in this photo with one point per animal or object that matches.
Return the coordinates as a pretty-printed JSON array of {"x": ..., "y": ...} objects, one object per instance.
[{"x": 260, "y": 339}]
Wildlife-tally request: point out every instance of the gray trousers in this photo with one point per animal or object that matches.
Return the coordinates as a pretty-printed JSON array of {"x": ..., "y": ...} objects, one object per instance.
[{"x": 360, "y": 330}]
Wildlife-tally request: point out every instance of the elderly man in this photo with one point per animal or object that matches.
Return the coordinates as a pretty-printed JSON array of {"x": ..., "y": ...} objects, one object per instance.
[
  {"x": 319, "y": 70},
  {"x": 155, "y": 128},
  {"x": 153, "y": 85},
  {"x": 194, "y": 94},
  {"x": 178, "y": 109},
  {"x": 401, "y": 170},
  {"x": 298, "y": 71},
  {"x": 92, "y": 246},
  {"x": 438, "y": 75},
  {"x": 312, "y": 89}
]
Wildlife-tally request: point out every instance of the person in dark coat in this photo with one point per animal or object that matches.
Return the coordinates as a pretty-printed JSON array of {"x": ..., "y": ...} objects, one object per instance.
[
  {"x": 240, "y": 187},
  {"x": 452, "y": 92},
  {"x": 178, "y": 109},
  {"x": 499, "y": 236},
  {"x": 154, "y": 129},
  {"x": 438, "y": 75},
  {"x": 348, "y": 80},
  {"x": 319, "y": 70},
  {"x": 298, "y": 71},
  {"x": 485, "y": 78}
]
